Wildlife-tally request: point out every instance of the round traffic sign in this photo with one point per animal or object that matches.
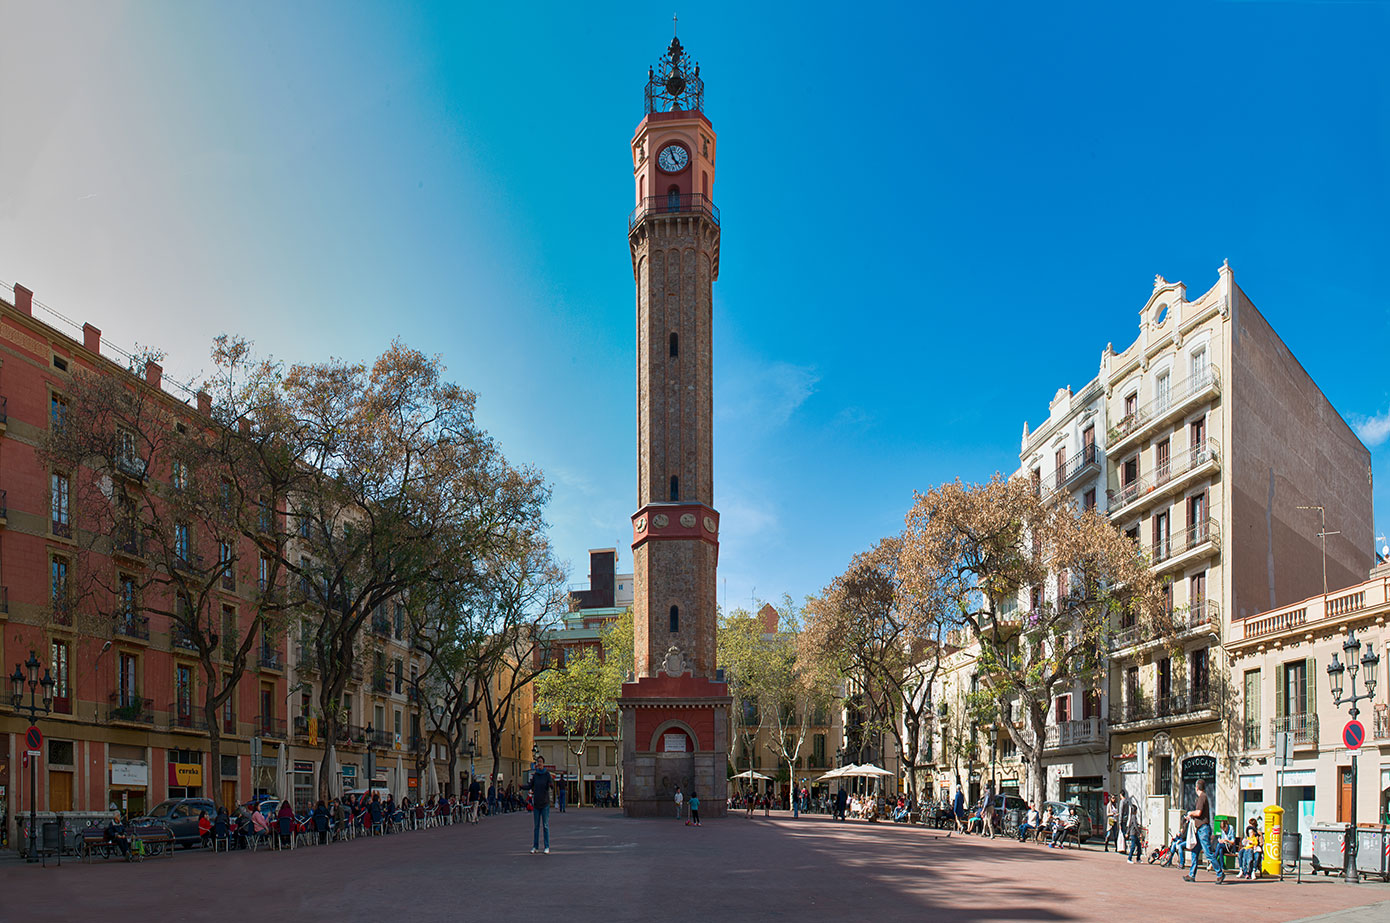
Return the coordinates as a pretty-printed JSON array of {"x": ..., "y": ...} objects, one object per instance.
[
  {"x": 1354, "y": 734},
  {"x": 34, "y": 738}
]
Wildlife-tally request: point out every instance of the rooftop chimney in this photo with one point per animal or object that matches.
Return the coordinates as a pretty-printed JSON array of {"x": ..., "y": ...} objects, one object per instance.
[
  {"x": 154, "y": 373},
  {"x": 91, "y": 338},
  {"x": 205, "y": 403},
  {"x": 23, "y": 300}
]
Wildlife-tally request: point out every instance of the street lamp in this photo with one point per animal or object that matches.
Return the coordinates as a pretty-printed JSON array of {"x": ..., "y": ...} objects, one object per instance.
[
  {"x": 994, "y": 757},
  {"x": 371, "y": 762},
  {"x": 1355, "y": 660},
  {"x": 18, "y": 680}
]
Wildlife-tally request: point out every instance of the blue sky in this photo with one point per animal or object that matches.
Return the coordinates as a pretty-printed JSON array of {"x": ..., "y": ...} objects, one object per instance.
[{"x": 934, "y": 215}]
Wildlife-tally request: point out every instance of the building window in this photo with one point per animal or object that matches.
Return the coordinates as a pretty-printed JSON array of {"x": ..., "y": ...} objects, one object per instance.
[
  {"x": 182, "y": 544},
  {"x": 183, "y": 692},
  {"x": 57, "y": 412},
  {"x": 224, "y": 561},
  {"x": 1131, "y": 406},
  {"x": 1164, "y": 783},
  {"x": 1201, "y": 677},
  {"x": 1197, "y": 431},
  {"x": 58, "y": 588},
  {"x": 675, "y": 488},
  {"x": 263, "y": 574},
  {"x": 1200, "y": 368},
  {"x": 1197, "y": 516},
  {"x": 675, "y": 346},
  {"x": 1089, "y": 500},
  {"x": 59, "y": 655},
  {"x": 1162, "y": 391},
  {"x": 1088, "y": 445},
  {"x": 1165, "y": 681},
  {"x": 1162, "y": 537},
  {"x": 399, "y": 669},
  {"x": 1129, "y": 472},
  {"x": 126, "y": 692},
  {"x": 675, "y": 619},
  {"x": 1252, "y": 709},
  {"x": 1063, "y": 708},
  {"x": 673, "y": 198},
  {"x": 400, "y": 622},
  {"x": 60, "y": 494},
  {"x": 1061, "y": 462},
  {"x": 1163, "y": 462},
  {"x": 1036, "y": 478}
]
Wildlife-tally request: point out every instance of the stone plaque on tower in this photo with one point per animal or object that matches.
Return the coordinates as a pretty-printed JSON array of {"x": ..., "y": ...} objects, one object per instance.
[{"x": 675, "y": 712}]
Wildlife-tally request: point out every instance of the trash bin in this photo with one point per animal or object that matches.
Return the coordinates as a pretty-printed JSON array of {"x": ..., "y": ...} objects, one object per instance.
[
  {"x": 1291, "y": 848},
  {"x": 1373, "y": 850},
  {"x": 51, "y": 840},
  {"x": 1330, "y": 847}
]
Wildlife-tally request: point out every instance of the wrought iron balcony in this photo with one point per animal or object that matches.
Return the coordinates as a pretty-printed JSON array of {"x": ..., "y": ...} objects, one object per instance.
[
  {"x": 1167, "y": 479},
  {"x": 130, "y": 709},
  {"x": 186, "y": 719},
  {"x": 1174, "y": 708},
  {"x": 301, "y": 726},
  {"x": 379, "y": 683},
  {"x": 1304, "y": 727},
  {"x": 128, "y": 545},
  {"x": 181, "y": 637},
  {"x": 271, "y": 659},
  {"x": 381, "y": 740},
  {"x": 267, "y": 726},
  {"x": 1087, "y": 461},
  {"x": 670, "y": 205},
  {"x": 133, "y": 626},
  {"x": 1130, "y": 429},
  {"x": 1204, "y": 535},
  {"x": 381, "y": 627},
  {"x": 1252, "y": 735}
]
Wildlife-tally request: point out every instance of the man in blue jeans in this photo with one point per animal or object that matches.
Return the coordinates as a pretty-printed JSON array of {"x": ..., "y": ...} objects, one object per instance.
[
  {"x": 1201, "y": 816},
  {"x": 540, "y": 805}
]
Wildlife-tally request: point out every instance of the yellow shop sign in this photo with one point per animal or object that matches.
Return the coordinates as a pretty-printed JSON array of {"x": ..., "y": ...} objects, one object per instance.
[{"x": 188, "y": 775}]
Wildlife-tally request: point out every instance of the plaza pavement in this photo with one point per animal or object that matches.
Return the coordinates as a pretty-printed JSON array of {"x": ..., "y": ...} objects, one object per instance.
[{"x": 603, "y": 867}]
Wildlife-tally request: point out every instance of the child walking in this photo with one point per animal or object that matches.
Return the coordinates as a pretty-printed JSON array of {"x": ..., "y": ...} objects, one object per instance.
[{"x": 694, "y": 802}]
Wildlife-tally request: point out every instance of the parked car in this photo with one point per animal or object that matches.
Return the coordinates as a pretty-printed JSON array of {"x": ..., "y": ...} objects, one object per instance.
[
  {"x": 1072, "y": 812},
  {"x": 180, "y": 815}
]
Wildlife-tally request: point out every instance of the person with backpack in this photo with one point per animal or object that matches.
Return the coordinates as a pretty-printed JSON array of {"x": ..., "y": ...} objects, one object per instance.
[
  {"x": 539, "y": 787},
  {"x": 1129, "y": 825}
]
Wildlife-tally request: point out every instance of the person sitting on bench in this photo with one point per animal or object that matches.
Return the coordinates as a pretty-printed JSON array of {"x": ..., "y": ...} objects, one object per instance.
[{"x": 117, "y": 836}]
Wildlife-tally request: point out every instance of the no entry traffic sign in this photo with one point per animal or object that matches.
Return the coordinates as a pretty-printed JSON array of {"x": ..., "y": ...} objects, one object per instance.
[
  {"x": 1354, "y": 734},
  {"x": 34, "y": 738}
]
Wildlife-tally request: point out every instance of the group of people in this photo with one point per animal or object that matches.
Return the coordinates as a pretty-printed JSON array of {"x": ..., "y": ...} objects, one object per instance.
[{"x": 691, "y": 804}]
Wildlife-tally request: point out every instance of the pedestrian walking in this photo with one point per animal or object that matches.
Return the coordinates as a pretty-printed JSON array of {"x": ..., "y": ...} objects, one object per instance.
[
  {"x": 1201, "y": 816},
  {"x": 561, "y": 790},
  {"x": 987, "y": 811},
  {"x": 694, "y": 808},
  {"x": 958, "y": 808},
  {"x": 540, "y": 799},
  {"x": 679, "y": 802},
  {"x": 1129, "y": 824},
  {"x": 1112, "y": 824}
]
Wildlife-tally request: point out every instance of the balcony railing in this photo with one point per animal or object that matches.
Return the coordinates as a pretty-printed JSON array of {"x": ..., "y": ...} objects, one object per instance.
[
  {"x": 379, "y": 683},
  {"x": 1192, "y": 538},
  {"x": 133, "y": 626},
  {"x": 1166, "y": 478},
  {"x": 301, "y": 726},
  {"x": 131, "y": 709},
  {"x": 185, "y": 718},
  {"x": 129, "y": 546},
  {"x": 1163, "y": 406},
  {"x": 1252, "y": 735},
  {"x": 663, "y": 205},
  {"x": 1087, "y": 460},
  {"x": 181, "y": 637},
  {"x": 5, "y": 599},
  {"x": 381, "y": 627},
  {"x": 1200, "y": 615},
  {"x": 1077, "y": 733},
  {"x": 381, "y": 739},
  {"x": 61, "y": 528},
  {"x": 1316, "y": 609},
  {"x": 1304, "y": 727},
  {"x": 271, "y": 659},
  {"x": 270, "y": 727},
  {"x": 1178, "y": 705}
]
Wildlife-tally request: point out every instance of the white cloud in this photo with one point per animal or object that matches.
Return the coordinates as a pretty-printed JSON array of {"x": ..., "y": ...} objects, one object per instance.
[
  {"x": 1372, "y": 430},
  {"x": 768, "y": 393}
]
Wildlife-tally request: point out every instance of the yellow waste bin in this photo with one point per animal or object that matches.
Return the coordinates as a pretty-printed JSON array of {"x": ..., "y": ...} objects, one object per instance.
[{"x": 1274, "y": 837}]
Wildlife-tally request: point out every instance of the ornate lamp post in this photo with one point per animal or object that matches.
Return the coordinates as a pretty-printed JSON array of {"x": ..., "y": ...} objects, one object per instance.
[
  {"x": 18, "y": 680},
  {"x": 370, "y": 761},
  {"x": 1370, "y": 660},
  {"x": 994, "y": 756}
]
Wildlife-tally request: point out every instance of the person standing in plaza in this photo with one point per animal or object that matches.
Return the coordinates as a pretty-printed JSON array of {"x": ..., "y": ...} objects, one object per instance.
[
  {"x": 540, "y": 798},
  {"x": 680, "y": 802},
  {"x": 987, "y": 811},
  {"x": 1112, "y": 824},
  {"x": 561, "y": 790},
  {"x": 1201, "y": 816},
  {"x": 694, "y": 808}
]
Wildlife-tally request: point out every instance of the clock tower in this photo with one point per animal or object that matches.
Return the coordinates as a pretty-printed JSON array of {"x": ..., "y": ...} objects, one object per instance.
[{"x": 675, "y": 710}]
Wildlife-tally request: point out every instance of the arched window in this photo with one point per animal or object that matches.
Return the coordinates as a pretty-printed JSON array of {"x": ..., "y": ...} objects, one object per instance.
[
  {"x": 673, "y": 198},
  {"x": 675, "y": 346},
  {"x": 705, "y": 183},
  {"x": 675, "y": 488},
  {"x": 675, "y": 619}
]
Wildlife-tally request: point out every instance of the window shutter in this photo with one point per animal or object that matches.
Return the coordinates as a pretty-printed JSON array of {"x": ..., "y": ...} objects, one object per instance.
[
  {"x": 1310, "y": 699},
  {"x": 1279, "y": 704}
]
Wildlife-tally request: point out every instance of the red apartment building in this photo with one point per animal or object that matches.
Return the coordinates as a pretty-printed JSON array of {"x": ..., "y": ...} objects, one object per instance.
[{"x": 126, "y": 725}]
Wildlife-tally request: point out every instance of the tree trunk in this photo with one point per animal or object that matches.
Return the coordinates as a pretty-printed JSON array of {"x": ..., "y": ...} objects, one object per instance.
[{"x": 1038, "y": 721}]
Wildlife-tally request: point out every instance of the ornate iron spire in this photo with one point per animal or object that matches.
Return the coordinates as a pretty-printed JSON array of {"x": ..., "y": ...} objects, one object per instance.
[{"x": 675, "y": 84}]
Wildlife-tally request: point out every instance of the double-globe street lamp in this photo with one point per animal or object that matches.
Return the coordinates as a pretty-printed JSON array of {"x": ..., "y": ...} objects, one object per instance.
[
  {"x": 1355, "y": 660},
  {"x": 18, "y": 680}
]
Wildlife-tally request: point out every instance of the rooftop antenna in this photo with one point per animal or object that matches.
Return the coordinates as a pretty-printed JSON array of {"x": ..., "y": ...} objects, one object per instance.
[
  {"x": 1384, "y": 548},
  {"x": 1322, "y": 534},
  {"x": 675, "y": 23}
]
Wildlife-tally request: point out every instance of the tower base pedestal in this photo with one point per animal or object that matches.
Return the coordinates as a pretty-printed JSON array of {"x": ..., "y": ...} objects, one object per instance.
[{"x": 675, "y": 733}]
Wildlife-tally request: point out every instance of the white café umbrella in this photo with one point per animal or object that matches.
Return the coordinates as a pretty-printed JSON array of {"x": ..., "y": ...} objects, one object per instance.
[
  {"x": 399, "y": 787},
  {"x": 332, "y": 770},
  {"x": 750, "y": 774},
  {"x": 284, "y": 776},
  {"x": 433, "y": 781}
]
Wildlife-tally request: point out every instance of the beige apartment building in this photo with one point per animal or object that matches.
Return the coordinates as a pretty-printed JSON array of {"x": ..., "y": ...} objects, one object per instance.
[
  {"x": 1279, "y": 664},
  {"x": 1206, "y": 442}
]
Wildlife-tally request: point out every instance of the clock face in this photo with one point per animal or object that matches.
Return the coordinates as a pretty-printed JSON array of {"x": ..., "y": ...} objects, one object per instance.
[{"x": 673, "y": 158}]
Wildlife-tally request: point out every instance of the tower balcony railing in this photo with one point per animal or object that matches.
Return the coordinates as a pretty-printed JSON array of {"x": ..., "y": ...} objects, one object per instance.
[{"x": 673, "y": 204}]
